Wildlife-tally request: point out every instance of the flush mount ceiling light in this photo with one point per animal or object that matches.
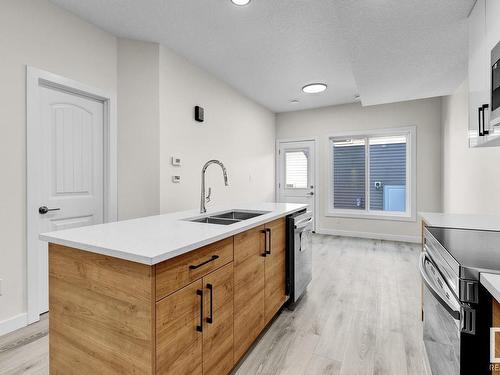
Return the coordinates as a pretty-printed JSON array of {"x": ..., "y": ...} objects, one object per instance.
[
  {"x": 314, "y": 88},
  {"x": 240, "y": 2}
]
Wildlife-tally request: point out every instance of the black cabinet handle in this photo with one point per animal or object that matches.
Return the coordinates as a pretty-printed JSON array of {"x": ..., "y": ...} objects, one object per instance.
[
  {"x": 199, "y": 328},
  {"x": 485, "y": 131},
  {"x": 210, "y": 319},
  {"x": 264, "y": 232},
  {"x": 193, "y": 267},
  {"x": 269, "y": 240},
  {"x": 480, "y": 116}
]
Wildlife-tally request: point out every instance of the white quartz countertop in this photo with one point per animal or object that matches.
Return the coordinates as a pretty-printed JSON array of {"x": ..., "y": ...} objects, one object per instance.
[
  {"x": 492, "y": 284},
  {"x": 153, "y": 239},
  {"x": 461, "y": 221}
]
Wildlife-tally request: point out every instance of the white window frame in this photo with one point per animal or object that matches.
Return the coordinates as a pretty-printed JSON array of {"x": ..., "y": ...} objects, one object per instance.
[{"x": 411, "y": 158}]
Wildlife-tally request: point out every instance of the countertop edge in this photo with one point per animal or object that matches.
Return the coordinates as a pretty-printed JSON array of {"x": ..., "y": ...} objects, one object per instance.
[
  {"x": 492, "y": 284},
  {"x": 488, "y": 222},
  {"x": 116, "y": 253}
]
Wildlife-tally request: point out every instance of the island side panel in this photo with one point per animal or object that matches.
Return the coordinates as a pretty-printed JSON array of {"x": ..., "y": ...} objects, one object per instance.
[{"x": 101, "y": 314}]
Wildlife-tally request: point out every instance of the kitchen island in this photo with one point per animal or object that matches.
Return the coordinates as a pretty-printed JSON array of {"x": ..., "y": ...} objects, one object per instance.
[{"x": 165, "y": 294}]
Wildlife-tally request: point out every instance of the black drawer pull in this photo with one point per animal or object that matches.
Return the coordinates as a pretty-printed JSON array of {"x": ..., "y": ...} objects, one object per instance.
[
  {"x": 199, "y": 328},
  {"x": 210, "y": 319},
  {"x": 193, "y": 267}
]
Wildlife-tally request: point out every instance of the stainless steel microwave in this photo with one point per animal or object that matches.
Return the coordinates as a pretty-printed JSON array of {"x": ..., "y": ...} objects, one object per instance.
[{"x": 495, "y": 86}]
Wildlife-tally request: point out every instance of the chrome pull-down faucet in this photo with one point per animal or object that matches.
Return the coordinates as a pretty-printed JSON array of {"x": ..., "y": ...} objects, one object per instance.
[{"x": 203, "y": 170}]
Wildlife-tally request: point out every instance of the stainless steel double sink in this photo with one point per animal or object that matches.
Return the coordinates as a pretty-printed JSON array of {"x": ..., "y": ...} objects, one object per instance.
[{"x": 228, "y": 217}]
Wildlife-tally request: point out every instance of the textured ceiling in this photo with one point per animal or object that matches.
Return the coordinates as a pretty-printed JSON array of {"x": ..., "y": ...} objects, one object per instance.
[
  {"x": 405, "y": 49},
  {"x": 385, "y": 50}
]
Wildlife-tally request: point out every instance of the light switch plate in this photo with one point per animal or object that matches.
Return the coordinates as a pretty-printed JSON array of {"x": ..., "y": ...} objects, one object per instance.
[
  {"x": 176, "y": 179},
  {"x": 176, "y": 161},
  {"x": 1, "y": 287}
]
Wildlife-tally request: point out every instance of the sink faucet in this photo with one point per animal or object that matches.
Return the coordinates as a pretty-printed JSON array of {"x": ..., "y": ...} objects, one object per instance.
[{"x": 203, "y": 170}]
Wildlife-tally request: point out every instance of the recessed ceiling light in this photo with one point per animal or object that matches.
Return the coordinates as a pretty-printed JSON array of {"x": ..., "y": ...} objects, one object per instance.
[
  {"x": 314, "y": 88},
  {"x": 240, "y": 2}
]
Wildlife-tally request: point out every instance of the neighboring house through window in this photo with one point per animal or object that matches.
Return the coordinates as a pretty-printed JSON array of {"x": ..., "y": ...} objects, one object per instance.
[{"x": 372, "y": 174}]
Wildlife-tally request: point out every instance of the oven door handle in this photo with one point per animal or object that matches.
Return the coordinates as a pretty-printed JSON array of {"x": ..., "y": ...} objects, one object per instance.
[
  {"x": 303, "y": 223},
  {"x": 433, "y": 288}
]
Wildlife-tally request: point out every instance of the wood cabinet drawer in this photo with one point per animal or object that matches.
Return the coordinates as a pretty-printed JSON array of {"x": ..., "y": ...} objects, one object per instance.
[{"x": 178, "y": 272}]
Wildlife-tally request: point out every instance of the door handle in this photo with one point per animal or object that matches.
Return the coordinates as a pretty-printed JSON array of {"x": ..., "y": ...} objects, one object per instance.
[
  {"x": 199, "y": 328},
  {"x": 268, "y": 248},
  {"x": 485, "y": 131},
  {"x": 479, "y": 115},
  {"x": 264, "y": 232},
  {"x": 210, "y": 319},
  {"x": 44, "y": 209}
]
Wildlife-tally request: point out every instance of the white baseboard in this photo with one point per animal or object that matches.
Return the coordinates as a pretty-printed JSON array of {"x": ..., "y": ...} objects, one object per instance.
[
  {"x": 375, "y": 236},
  {"x": 11, "y": 324}
]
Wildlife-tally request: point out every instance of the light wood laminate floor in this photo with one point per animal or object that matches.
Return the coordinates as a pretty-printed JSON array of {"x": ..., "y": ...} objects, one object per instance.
[{"x": 359, "y": 316}]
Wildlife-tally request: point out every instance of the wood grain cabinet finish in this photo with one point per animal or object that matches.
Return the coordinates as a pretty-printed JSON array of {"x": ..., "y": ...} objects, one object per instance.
[
  {"x": 101, "y": 314},
  {"x": 178, "y": 338},
  {"x": 197, "y": 313},
  {"x": 218, "y": 321},
  {"x": 196, "y": 338},
  {"x": 275, "y": 277},
  {"x": 259, "y": 281},
  {"x": 178, "y": 272},
  {"x": 248, "y": 289}
]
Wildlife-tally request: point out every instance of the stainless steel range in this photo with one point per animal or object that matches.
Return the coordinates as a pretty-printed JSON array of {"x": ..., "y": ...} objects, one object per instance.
[{"x": 457, "y": 308}]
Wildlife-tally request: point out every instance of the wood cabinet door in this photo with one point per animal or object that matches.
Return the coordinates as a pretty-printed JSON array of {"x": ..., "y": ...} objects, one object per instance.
[
  {"x": 178, "y": 334},
  {"x": 218, "y": 321},
  {"x": 275, "y": 277},
  {"x": 248, "y": 289}
]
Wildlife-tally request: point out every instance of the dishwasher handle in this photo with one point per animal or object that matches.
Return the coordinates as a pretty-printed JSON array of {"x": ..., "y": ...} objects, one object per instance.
[
  {"x": 435, "y": 290},
  {"x": 303, "y": 223}
]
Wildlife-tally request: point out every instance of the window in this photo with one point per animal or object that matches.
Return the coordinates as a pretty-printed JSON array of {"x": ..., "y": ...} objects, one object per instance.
[
  {"x": 371, "y": 174},
  {"x": 349, "y": 174},
  {"x": 296, "y": 169}
]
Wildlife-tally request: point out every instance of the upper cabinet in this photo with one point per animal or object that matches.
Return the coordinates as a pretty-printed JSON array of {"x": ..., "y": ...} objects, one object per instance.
[{"x": 484, "y": 34}]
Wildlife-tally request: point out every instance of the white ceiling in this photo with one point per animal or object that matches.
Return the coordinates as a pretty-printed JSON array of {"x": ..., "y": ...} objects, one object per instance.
[{"x": 385, "y": 50}]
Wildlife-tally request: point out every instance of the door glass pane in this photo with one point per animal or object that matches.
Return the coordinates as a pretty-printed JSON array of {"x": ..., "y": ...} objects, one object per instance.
[
  {"x": 349, "y": 174},
  {"x": 388, "y": 173},
  {"x": 296, "y": 169}
]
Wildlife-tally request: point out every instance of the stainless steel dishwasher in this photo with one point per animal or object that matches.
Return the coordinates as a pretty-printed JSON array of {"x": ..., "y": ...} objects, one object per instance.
[{"x": 299, "y": 255}]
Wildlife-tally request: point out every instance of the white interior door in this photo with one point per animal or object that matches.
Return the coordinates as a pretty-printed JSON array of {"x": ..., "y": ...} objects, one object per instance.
[
  {"x": 296, "y": 173},
  {"x": 70, "y": 170}
]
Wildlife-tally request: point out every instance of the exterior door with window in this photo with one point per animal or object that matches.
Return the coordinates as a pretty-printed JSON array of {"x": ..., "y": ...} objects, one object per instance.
[{"x": 296, "y": 173}]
